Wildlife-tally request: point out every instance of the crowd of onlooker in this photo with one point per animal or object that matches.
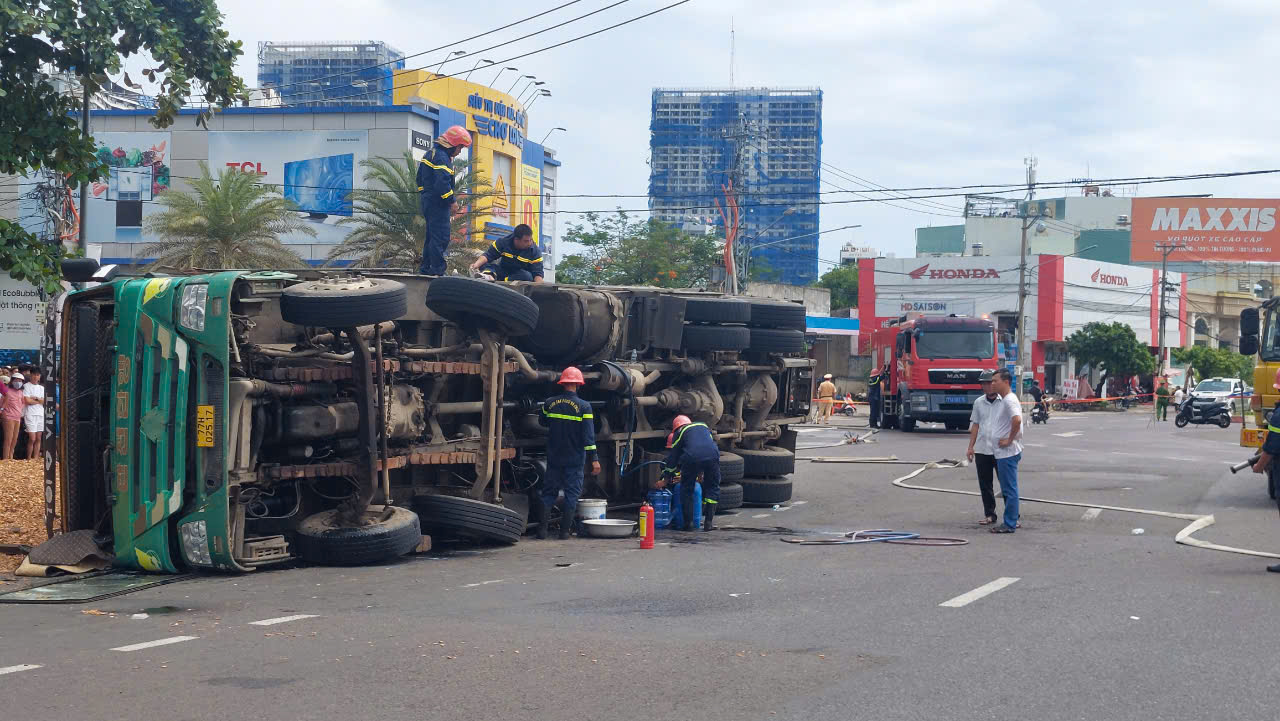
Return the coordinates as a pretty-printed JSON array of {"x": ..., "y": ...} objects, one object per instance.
[{"x": 21, "y": 406}]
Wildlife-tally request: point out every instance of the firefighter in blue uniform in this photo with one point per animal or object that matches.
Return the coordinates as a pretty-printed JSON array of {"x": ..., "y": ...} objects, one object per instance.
[
  {"x": 571, "y": 442},
  {"x": 435, "y": 196},
  {"x": 1270, "y": 447},
  {"x": 693, "y": 452},
  {"x": 515, "y": 256},
  {"x": 873, "y": 396}
]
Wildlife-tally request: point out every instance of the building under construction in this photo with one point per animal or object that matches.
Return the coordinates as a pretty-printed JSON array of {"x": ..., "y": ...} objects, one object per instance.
[
  {"x": 765, "y": 145},
  {"x": 321, "y": 74}
]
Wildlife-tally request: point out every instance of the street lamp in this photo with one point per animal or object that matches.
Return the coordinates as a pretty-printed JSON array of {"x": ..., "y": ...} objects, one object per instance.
[
  {"x": 517, "y": 82},
  {"x": 450, "y": 56},
  {"x": 549, "y": 132},
  {"x": 473, "y": 69},
  {"x": 541, "y": 93},
  {"x": 529, "y": 87},
  {"x": 500, "y": 72}
]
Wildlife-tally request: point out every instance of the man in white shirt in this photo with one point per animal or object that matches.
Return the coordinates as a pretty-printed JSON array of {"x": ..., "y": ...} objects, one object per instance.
[
  {"x": 1005, "y": 424},
  {"x": 982, "y": 447}
]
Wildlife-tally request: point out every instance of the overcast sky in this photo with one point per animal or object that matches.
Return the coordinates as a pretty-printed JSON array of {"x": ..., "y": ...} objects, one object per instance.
[{"x": 915, "y": 92}]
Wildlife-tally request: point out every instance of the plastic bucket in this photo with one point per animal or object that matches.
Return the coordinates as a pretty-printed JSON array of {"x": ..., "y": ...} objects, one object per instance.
[{"x": 590, "y": 509}]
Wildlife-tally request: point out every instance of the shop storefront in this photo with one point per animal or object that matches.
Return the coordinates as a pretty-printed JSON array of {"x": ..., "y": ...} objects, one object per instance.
[{"x": 1063, "y": 295}]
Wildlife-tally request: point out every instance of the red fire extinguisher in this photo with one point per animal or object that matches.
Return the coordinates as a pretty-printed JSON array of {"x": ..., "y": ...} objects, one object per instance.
[{"x": 646, "y": 525}]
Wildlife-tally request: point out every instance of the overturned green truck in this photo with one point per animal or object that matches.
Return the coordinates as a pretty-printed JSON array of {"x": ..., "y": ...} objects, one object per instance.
[{"x": 234, "y": 420}]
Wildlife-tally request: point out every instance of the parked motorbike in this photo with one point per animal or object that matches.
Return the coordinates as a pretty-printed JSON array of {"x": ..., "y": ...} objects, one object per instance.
[
  {"x": 1040, "y": 412},
  {"x": 1200, "y": 411}
]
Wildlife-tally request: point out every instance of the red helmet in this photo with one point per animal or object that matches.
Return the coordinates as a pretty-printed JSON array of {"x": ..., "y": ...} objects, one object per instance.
[
  {"x": 571, "y": 375},
  {"x": 679, "y": 422},
  {"x": 456, "y": 137}
]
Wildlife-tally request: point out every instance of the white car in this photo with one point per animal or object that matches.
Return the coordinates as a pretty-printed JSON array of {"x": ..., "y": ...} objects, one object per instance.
[{"x": 1220, "y": 389}]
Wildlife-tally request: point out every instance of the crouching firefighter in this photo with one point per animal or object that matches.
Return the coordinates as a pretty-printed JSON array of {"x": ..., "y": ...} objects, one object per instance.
[
  {"x": 571, "y": 443},
  {"x": 1270, "y": 448},
  {"x": 693, "y": 452}
]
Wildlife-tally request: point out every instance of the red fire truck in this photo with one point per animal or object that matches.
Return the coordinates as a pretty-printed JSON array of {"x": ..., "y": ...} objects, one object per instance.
[{"x": 934, "y": 363}]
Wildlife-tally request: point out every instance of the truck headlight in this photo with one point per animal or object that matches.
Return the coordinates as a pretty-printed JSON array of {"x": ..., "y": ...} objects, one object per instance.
[
  {"x": 195, "y": 543},
  {"x": 194, "y": 298},
  {"x": 920, "y": 399}
]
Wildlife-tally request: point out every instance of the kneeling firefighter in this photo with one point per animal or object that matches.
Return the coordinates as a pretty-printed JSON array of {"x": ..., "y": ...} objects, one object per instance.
[
  {"x": 693, "y": 452},
  {"x": 571, "y": 442}
]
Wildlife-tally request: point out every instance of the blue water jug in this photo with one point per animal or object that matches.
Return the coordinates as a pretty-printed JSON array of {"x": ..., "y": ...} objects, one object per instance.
[
  {"x": 660, "y": 499},
  {"x": 677, "y": 501}
]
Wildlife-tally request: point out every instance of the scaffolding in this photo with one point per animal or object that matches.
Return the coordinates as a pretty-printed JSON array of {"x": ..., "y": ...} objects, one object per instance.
[
  {"x": 319, "y": 74},
  {"x": 758, "y": 148}
]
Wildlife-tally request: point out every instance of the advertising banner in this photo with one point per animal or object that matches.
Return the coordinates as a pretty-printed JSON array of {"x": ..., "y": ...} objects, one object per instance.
[
  {"x": 138, "y": 176},
  {"x": 1070, "y": 388},
  {"x": 317, "y": 170},
  {"x": 926, "y": 306},
  {"x": 1230, "y": 229},
  {"x": 530, "y": 197},
  {"x": 21, "y": 321}
]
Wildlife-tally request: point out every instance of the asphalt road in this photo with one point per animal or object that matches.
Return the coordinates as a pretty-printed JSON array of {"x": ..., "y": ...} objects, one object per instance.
[{"x": 1099, "y": 623}]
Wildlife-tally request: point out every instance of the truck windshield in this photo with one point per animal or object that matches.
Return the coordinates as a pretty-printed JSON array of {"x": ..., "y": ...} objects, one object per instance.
[
  {"x": 1269, "y": 348},
  {"x": 956, "y": 344}
]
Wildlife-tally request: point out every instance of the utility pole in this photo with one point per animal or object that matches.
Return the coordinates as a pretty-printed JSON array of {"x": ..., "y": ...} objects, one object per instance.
[
  {"x": 1165, "y": 250},
  {"x": 81, "y": 245},
  {"x": 1022, "y": 277}
]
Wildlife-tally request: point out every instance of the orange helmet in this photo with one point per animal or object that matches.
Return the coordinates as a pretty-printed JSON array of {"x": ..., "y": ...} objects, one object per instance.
[
  {"x": 456, "y": 137},
  {"x": 679, "y": 422},
  {"x": 571, "y": 375}
]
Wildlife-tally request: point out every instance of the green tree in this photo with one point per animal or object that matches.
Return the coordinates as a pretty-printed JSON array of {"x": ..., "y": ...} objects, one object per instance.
[
  {"x": 622, "y": 251},
  {"x": 231, "y": 221},
  {"x": 1113, "y": 347},
  {"x": 388, "y": 227},
  {"x": 842, "y": 281},
  {"x": 1220, "y": 362},
  {"x": 89, "y": 38}
]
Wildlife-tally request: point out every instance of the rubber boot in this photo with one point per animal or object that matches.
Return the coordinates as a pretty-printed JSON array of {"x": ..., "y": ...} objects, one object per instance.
[
  {"x": 566, "y": 521},
  {"x": 708, "y": 513},
  {"x": 1274, "y": 569},
  {"x": 539, "y": 514},
  {"x": 689, "y": 522}
]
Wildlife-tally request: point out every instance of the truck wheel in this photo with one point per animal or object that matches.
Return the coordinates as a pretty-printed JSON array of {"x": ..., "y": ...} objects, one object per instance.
[
  {"x": 907, "y": 425},
  {"x": 715, "y": 337},
  {"x": 319, "y": 538},
  {"x": 343, "y": 302},
  {"x": 888, "y": 421},
  {"x": 731, "y": 467},
  {"x": 775, "y": 340},
  {"x": 765, "y": 491},
  {"x": 730, "y": 497},
  {"x": 467, "y": 518},
  {"x": 767, "y": 461},
  {"x": 778, "y": 315},
  {"x": 479, "y": 302},
  {"x": 716, "y": 310}
]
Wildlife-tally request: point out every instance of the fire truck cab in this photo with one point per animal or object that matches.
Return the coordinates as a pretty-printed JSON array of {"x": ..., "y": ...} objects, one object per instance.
[{"x": 934, "y": 364}]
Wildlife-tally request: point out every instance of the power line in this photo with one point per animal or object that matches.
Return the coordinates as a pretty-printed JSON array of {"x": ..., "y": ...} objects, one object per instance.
[{"x": 424, "y": 52}]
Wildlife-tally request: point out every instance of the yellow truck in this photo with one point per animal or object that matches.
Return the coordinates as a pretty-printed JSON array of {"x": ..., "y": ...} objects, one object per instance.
[{"x": 1260, "y": 335}]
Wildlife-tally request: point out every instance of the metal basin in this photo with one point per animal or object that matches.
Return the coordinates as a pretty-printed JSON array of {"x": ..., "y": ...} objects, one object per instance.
[{"x": 609, "y": 527}]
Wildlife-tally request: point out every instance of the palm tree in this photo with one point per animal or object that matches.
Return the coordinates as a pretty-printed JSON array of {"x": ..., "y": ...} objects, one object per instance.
[
  {"x": 231, "y": 221},
  {"x": 389, "y": 226}
]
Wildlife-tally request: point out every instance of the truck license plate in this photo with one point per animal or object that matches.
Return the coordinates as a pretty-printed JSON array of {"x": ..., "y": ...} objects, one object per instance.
[
  {"x": 1252, "y": 437},
  {"x": 204, "y": 426},
  {"x": 957, "y": 399}
]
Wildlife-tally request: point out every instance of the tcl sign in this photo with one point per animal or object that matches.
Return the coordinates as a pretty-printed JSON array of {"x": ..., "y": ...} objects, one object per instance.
[
  {"x": 1107, "y": 279},
  {"x": 923, "y": 272},
  {"x": 248, "y": 167}
]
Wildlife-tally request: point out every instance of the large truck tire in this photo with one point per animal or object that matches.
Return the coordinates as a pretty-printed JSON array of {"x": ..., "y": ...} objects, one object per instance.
[
  {"x": 730, "y": 497},
  {"x": 716, "y": 310},
  {"x": 765, "y": 491},
  {"x": 767, "y": 461},
  {"x": 319, "y": 538},
  {"x": 765, "y": 314},
  {"x": 777, "y": 340},
  {"x": 343, "y": 302},
  {"x": 732, "y": 467},
  {"x": 468, "y": 519},
  {"x": 482, "y": 302},
  {"x": 716, "y": 338}
]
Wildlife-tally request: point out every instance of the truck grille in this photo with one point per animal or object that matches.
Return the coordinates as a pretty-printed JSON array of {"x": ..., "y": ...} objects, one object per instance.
[{"x": 943, "y": 376}]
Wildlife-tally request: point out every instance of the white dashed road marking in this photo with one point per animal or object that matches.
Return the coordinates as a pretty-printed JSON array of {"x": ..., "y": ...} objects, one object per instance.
[
  {"x": 482, "y": 583},
  {"x": 965, "y": 599},
  {"x": 282, "y": 619},
  {"x": 153, "y": 644},
  {"x": 761, "y": 515},
  {"x": 1091, "y": 514},
  {"x": 1069, "y": 434},
  {"x": 15, "y": 669}
]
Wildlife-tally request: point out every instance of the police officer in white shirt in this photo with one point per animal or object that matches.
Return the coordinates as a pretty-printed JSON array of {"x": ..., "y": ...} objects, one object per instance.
[
  {"x": 982, "y": 449},
  {"x": 1005, "y": 426}
]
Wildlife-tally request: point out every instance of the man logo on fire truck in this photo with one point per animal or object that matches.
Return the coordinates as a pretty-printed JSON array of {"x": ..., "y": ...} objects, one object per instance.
[{"x": 953, "y": 273}]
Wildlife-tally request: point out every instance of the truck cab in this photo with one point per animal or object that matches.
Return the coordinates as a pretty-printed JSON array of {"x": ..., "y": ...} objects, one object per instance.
[{"x": 934, "y": 364}]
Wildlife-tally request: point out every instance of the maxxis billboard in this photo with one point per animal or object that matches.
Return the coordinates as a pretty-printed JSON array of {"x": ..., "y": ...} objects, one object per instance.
[{"x": 1222, "y": 229}]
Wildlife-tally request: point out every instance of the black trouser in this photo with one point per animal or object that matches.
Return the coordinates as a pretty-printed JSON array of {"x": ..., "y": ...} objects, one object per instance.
[
  {"x": 499, "y": 274},
  {"x": 436, "y": 243},
  {"x": 986, "y": 476},
  {"x": 874, "y": 399}
]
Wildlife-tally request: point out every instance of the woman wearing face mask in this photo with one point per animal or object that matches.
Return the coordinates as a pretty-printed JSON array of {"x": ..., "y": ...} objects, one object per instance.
[{"x": 11, "y": 413}]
